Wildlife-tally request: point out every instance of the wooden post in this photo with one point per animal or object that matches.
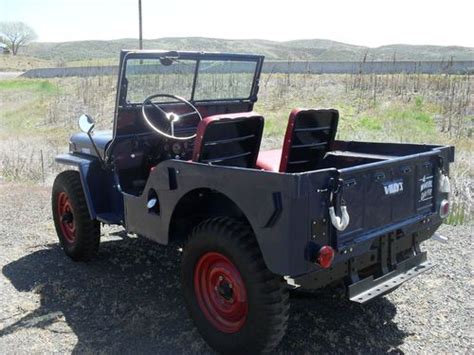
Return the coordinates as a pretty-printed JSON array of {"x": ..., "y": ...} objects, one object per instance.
[{"x": 42, "y": 165}]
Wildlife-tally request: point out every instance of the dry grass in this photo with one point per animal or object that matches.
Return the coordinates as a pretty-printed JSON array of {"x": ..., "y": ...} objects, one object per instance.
[
  {"x": 36, "y": 117},
  {"x": 22, "y": 63},
  {"x": 416, "y": 108}
]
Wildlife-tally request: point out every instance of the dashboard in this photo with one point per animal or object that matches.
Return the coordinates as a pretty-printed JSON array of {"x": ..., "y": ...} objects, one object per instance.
[
  {"x": 174, "y": 149},
  {"x": 143, "y": 152},
  {"x": 155, "y": 151}
]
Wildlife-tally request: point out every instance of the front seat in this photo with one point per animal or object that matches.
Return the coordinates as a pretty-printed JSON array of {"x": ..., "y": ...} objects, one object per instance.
[{"x": 229, "y": 139}]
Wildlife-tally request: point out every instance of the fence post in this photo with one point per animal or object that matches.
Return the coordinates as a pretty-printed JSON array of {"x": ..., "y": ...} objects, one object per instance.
[{"x": 42, "y": 165}]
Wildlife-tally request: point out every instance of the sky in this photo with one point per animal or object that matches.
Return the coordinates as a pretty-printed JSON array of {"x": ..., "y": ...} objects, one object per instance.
[{"x": 364, "y": 22}]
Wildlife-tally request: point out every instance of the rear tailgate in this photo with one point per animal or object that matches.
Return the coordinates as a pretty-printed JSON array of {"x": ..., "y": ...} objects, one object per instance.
[{"x": 381, "y": 195}]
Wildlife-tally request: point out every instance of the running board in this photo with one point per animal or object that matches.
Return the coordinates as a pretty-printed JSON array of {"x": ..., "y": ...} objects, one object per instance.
[{"x": 369, "y": 288}]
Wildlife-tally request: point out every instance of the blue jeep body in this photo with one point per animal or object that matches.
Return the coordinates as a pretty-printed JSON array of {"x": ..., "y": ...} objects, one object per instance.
[{"x": 391, "y": 191}]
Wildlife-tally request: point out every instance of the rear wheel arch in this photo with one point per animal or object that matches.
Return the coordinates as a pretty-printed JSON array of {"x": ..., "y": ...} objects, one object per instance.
[{"x": 198, "y": 205}]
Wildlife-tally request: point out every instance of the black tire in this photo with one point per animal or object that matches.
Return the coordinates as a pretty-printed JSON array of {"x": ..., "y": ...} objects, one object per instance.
[
  {"x": 267, "y": 295},
  {"x": 78, "y": 234}
]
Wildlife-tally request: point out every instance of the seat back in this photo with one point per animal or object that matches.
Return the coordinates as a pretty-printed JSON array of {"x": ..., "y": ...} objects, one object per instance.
[
  {"x": 229, "y": 139},
  {"x": 308, "y": 137}
]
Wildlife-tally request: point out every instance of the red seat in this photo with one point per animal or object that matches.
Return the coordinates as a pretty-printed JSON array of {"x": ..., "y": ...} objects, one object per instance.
[
  {"x": 269, "y": 160},
  {"x": 229, "y": 139},
  {"x": 309, "y": 135}
]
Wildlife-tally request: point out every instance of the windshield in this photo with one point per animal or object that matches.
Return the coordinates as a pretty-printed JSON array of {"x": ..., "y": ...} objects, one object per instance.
[
  {"x": 215, "y": 79},
  {"x": 224, "y": 79},
  {"x": 147, "y": 77}
]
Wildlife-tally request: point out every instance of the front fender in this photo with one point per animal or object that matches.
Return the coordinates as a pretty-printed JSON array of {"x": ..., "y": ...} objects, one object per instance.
[{"x": 104, "y": 201}]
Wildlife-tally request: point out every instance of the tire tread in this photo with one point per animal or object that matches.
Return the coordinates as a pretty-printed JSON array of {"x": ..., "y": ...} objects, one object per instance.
[
  {"x": 88, "y": 230},
  {"x": 273, "y": 295}
]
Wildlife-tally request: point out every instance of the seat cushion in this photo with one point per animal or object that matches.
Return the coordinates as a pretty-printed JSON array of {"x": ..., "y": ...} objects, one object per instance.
[{"x": 269, "y": 160}]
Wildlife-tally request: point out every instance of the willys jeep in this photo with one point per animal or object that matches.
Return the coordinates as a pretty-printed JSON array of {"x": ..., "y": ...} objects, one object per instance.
[{"x": 183, "y": 164}]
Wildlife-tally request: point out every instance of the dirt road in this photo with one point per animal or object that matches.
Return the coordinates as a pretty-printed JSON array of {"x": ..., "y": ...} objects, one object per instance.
[
  {"x": 129, "y": 298},
  {"x": 4, "y": 75}
]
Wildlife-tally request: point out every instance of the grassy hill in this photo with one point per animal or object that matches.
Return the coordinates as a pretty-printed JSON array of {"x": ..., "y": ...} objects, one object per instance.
[{"x": 313, "y": 49}]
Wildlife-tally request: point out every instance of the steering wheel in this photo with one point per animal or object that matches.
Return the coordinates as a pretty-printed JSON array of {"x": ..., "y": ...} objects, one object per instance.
[{"x": 171, "y": 116}]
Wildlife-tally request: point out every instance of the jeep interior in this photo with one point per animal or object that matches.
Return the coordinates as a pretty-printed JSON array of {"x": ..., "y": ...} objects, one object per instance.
[{"x": 199, "y": 107}]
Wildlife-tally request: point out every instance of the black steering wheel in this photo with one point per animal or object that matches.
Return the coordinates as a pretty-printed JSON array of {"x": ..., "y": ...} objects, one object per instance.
[{"x": 171, "y": 116}]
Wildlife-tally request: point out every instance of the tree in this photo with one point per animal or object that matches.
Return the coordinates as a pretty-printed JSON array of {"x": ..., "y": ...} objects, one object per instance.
[{"x": 15, "y": 35}]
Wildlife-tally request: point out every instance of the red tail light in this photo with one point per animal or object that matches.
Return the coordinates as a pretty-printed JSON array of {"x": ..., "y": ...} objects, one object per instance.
[
  {"x": 325, "y": 256},
  {"x": 444, "y": 209}
]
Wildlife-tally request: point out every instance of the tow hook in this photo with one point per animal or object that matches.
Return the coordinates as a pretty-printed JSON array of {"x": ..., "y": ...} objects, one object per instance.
[
  {"x": 444, "y": 184},
  {"x": 340, "y": 223}
]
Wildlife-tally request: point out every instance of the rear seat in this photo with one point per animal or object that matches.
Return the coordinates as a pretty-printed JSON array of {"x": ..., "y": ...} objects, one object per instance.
[{"x": 309, "y": 135}]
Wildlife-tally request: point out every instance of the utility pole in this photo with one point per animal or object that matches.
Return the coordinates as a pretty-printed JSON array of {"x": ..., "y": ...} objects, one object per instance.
[{"x": 140, "y": 32}]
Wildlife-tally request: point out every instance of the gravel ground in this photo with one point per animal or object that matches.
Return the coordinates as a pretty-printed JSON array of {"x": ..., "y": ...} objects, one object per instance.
[{"x": 129, "y": 298}]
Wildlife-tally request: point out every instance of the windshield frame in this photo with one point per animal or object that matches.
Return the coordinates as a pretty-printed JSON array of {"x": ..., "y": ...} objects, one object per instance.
[{"x": 193, "y": 56}]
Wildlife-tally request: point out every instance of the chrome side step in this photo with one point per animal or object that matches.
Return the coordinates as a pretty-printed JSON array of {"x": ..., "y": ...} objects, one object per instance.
[{"x": 369, "y": 288}]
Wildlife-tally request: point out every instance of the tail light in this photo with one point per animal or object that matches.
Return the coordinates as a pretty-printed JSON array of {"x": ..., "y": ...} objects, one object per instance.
[
  {"x": 444, "y": 209},
  {"x": 325, "y": 256}
]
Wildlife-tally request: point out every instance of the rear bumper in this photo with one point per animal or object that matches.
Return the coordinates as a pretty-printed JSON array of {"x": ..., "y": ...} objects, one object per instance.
[
  {"x": 378, "y": 265},
  {"x": 369, "y": 288}
]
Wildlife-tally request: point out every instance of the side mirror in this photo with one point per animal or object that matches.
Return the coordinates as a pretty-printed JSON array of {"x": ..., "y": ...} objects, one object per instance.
[{"x": 86, "y": 123}]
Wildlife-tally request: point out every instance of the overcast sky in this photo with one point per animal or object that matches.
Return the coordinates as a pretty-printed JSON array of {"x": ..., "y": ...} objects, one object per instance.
[{"x": 364, "y": 22}]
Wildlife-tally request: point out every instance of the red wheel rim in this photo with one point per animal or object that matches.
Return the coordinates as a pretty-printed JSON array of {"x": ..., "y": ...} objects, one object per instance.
[
  {"x": 220, "y": 292},
  {"x": 66, "y": 217}
]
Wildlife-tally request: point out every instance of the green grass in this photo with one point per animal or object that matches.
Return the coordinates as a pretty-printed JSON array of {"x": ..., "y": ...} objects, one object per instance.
[
  {"x": 370, "y": 123},
  {"x": 457, "y": 216},
  {"x": 42, "y": 86},
  {"x": 26, "y": 103},
  {"x": 392, "y": 122},
  {"x": 24, "y": 117}
]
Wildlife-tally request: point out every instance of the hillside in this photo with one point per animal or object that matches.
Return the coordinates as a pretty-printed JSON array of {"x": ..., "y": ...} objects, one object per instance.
[{"x": 314, "y": 49}]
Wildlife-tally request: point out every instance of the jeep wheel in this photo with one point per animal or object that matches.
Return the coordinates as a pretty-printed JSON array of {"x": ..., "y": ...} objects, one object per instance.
[
  {"x": 78, "y": 234},
  {"x": 237, "y": 304}
]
